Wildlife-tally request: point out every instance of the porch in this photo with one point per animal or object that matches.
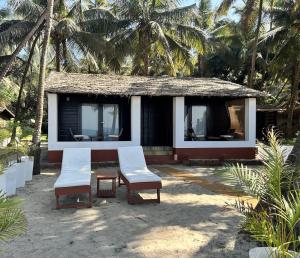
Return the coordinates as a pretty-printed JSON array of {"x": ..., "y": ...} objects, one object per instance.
[{"x": 171, "y": 129}]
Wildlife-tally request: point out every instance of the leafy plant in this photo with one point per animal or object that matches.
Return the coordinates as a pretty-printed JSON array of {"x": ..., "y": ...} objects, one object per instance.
[
  {"x": 12, "y": 219},
  {"x": 275, "y": 220}
]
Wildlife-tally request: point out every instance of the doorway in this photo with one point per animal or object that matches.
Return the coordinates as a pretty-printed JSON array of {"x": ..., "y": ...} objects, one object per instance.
[{"x": 157, "y": 121}]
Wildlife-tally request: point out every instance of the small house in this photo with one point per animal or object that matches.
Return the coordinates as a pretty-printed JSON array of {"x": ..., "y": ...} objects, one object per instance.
[{"x": 172, "y": 118}]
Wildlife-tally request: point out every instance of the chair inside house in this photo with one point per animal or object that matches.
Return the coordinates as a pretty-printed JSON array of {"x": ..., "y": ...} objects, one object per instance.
[
  {"x": 79, "y": 137},
  {"x": 75, "y": 177},
  {"x": 116, "y": 137},
  {"x": 135, "y": 174}
]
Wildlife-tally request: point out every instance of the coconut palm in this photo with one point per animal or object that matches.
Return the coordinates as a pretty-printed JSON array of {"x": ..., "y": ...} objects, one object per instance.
[
  {"x": 251, "y": 12},
  {"x": 285, "y": 40},
  {"x": 10, "y": 31},
  {"x": 147, "y": 31},
  {"x": 68, "y": 40},
  {"x": 41, "y": 86}
]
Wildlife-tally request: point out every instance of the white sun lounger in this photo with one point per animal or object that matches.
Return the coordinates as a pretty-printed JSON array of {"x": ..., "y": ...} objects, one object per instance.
[
  {"x": 135, "y": 174},
  {"x": 75, "y": 176}
]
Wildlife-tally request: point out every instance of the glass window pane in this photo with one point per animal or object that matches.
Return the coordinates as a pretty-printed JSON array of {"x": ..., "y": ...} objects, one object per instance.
[
  {"x": 89, "y": 119},
  {"x": 199, "y": 120},
  {"x": 195, "y": 123},
  {"x": 111, "y": 128}
]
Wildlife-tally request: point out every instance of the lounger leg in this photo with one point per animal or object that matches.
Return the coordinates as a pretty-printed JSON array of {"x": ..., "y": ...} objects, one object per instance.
[
  {"x": 129, "y": 197},
  {"x": 90, "y": 199},
  {"x": 158, "y": 195},
  {"x": 57, "y": 201}
]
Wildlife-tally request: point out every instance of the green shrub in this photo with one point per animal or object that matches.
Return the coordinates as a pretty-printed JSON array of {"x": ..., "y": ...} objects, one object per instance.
[{"x": 276, "y": 219}]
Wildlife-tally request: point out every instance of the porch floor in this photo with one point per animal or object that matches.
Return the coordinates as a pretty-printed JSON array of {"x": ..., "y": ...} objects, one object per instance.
[{"x": 190, "y": 221}]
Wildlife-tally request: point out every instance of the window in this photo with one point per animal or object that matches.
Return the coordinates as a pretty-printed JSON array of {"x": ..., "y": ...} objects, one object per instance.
[
  {"x": 195, "y": 122},
  {"x": 111, "y": 128},
  {"x": 89, "y": 119},
  {"x": 100, "y": 122}
]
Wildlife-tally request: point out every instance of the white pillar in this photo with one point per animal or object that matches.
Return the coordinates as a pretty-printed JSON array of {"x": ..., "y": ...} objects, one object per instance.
[
  {"x": 178, "y": 121},
  {"x": 250, "y": 121},
  {"x": 52, "y": 120},
  {"x": 136, "y": 120}
]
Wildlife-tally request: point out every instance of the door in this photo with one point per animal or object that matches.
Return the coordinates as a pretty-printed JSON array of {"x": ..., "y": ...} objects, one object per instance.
[{"x": 156, "y": 121}]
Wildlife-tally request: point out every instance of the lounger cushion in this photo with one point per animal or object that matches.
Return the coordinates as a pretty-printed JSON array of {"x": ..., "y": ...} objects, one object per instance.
[
  {"x": 133, "y": 165},
  {"x": 74, "y": 179},
  {"x": 76, "y": 160},
  {"x": 136, "y": 175},
  {"x": 131, "y": 158}
]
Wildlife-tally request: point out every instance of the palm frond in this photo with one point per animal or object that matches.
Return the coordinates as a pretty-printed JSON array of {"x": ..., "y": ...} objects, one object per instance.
[
  {"x": 4, "y": 12},
  {"x": 250, "y": 180},
  {"x": 27, "y": 8},
  {"x": 160, "y": 36},
  {"x": 12, "y": 224},
  {"x": 14, "y": 31},
  {"x": 224, "y": 7},
  {"x": 176, "y": 15},
  {"x": 66, "y": 27}
]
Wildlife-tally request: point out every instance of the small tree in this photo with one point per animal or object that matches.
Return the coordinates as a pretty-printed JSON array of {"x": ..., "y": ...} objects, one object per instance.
[{"x": 36, "y": 140}]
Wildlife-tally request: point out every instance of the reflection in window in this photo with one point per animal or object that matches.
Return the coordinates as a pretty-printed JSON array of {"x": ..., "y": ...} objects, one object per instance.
[
  {"x": 110, "y": 122},
  {"x": 195, "y": 123},
  {"x": 89, "y": 119}
]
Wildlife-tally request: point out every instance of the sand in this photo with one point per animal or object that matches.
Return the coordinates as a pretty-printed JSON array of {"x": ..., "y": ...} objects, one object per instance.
[{"x": 190, "y": 221}]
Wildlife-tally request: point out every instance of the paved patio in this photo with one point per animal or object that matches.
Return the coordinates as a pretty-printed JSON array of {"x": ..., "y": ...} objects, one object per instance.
[{"x": 190, "y": 221}]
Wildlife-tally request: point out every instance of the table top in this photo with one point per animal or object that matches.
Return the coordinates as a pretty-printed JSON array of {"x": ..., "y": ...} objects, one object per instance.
[{"x": 106, "y": 174}]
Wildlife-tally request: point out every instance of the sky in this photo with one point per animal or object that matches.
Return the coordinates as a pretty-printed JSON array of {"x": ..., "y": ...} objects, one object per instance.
[
  {"x": 184, "y": 2},
  {"x": 215, "y": 3}
]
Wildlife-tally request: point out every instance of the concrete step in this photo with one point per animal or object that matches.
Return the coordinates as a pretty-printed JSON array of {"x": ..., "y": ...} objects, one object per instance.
[
  {"x": 218, "y": 162},
  {"x": 158, "y": 150}
]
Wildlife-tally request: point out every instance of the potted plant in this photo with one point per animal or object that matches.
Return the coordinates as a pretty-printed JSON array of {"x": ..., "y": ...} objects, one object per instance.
[
  {"x": 10, "y": 180},
  {"x": 19, "y": 166}
]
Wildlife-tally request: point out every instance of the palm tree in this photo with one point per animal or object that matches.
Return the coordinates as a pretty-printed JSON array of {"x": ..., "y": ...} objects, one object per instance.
[
  {"x": 21, "y": 45},
  {"x": 248, "y": 15},
  {"x": 147, "y": 31},
  {"x": 204, "y": 22},
  {"x": 69, "y": 41},
  {"x": 285, "y": 39},
  {"x": 40, "y": 105}
]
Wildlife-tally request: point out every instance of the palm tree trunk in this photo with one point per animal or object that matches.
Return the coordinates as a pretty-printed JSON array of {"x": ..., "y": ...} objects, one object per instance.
[
  {"x": 57, "y": 54},
  {"x": 293, "y": 99},
  {"x": 200, "y": 65},
  {"x": 22, "y": 44},
  {"x": 65, "y": 52},
  {"x": 253, "y": 59},
  {"x": 36, "y": 139},
  {"x": 146, "y": 50},
  {"x": 18, "y": 106}
]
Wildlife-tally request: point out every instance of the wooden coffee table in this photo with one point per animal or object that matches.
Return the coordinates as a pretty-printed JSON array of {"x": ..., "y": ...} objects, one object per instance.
[{"x": 111, "y": 175}]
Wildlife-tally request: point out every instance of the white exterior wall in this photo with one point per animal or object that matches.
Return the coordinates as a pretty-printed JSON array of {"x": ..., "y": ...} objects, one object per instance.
[
  {"x": 178, "y": 128},
  {"x": 54, "y": 144}
]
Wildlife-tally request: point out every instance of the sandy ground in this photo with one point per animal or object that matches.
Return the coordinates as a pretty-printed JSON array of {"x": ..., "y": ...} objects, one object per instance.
[{"x": 190, "y": 221}]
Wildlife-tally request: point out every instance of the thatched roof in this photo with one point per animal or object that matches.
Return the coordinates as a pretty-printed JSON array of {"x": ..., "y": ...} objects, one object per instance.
[
  {"x": 6, "y": 113},
  {"x": 101, "y": 84}
]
